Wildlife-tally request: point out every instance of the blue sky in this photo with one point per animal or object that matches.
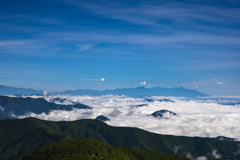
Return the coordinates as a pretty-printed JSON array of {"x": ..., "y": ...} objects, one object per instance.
[{"x": 72, "y": 44}]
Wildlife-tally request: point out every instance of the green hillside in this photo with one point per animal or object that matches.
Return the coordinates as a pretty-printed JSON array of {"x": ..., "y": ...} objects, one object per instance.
[
  {"x": 88, "y": 149},
  {"x": 20, "y": 106},
  {"x": 19, "y": 137}
]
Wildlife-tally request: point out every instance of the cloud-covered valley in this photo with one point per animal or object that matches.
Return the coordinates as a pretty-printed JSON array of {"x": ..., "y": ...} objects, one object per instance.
[{"x": 207, "y": 117}]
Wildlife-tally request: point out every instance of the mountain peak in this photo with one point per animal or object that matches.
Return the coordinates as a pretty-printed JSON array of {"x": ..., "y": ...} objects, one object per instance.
[
  {"x": 163, "y": 114},
  {"x": 102, "y": 118}
]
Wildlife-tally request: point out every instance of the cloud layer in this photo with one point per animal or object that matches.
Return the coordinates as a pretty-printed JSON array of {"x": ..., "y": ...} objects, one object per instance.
[{"x": 203, "y": 118}]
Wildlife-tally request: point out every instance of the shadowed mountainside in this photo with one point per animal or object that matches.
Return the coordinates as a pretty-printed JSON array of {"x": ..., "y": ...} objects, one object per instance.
[{"x": 20, "y": 106}]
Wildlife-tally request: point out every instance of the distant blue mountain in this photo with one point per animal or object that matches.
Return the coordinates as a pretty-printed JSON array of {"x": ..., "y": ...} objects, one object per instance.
[
  {"x": 138, "y": 92},
  {"x": 5, "y": 90}
]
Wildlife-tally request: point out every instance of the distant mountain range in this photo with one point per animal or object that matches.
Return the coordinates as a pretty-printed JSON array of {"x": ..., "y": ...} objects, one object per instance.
[
  {"x": 139, "y": 92},
  {"x": 5, "y": 90},
  {"x": 19, "y": 137}
]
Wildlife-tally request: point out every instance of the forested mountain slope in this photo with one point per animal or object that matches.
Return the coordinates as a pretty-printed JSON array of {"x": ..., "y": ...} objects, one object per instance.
[
  {"x": 19, "y": 137},
  {"x": 82, "y": 149}
]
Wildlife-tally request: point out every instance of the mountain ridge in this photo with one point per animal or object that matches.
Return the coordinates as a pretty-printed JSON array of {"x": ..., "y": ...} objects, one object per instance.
[
  {"x": 7, "y": 90},
  {"x": 138, "y": 92}
]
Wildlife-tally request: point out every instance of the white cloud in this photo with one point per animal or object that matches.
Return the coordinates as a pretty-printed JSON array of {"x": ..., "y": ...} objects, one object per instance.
[
  {"x": 45, "y": 93},
  {"x": 215, "y": 155},
  {"x": 219, "y": 82},
  {"x": 143, "y": 83},
  {"x": 176, "y": 148},
  {"x": 203, "y": 118},
  {"x": 103, "y": 79},
  {"x": 57, "y": 115},
  {"x": 188, "y": 155},
  {"x": 114, "y": 113}
]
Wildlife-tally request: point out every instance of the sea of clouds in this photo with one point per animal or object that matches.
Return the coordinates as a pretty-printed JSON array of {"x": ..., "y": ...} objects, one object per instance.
[{"x": 204, "y": 117}]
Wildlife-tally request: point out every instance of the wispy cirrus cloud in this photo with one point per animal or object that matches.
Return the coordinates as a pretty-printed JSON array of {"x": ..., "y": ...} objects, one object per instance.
[
  {"x": 175, "y": 24},
  {"x": 14, "y": 43},
  {"x": 23, "y": 18},
  {"x": 25, "y": 47},
  {"x": 84, "y": 47},
  {"x": 50, "y": 41},
  {"x": 114, "y": 36},
  {"x": 152, "y": 13},
  {"x": 54, "y": 44}
]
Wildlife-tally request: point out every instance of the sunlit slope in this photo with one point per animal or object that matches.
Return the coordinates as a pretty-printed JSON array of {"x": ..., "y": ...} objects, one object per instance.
[
  {"x": 19, "y": 137},
  {"x": 77, "y": 149}
]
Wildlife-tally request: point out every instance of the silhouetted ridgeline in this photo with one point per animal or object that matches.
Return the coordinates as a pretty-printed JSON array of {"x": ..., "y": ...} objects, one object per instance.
[{"x": 19, "y": 137}]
